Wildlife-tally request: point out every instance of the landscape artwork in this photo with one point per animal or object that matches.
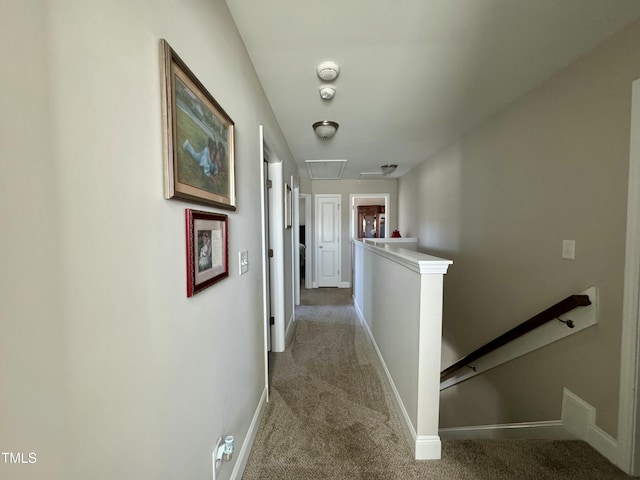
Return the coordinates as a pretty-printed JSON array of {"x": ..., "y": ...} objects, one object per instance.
[{"x": 199, "y": 139}]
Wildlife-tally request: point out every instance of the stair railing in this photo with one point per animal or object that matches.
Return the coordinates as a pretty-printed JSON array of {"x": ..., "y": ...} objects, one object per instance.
[{"x": 551, "y": 313}]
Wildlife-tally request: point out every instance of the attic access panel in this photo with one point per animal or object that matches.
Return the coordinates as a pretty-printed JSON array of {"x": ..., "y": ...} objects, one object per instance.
[{"x": 325, "y": 169}]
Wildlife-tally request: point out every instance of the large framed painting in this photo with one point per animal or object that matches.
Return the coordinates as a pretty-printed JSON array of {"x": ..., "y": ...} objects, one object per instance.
[
  {"x": 198, "y": 138},
  {"x": 207, "y": 253}
]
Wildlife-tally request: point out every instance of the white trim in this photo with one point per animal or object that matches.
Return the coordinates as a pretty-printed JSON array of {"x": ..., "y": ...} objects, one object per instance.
[
  {"x": 309, "y": 241},
  {"x": 629, "y": 402},
  {"x": 264, "y": 152},
  {"x": 245, "y": 450},
  {"x": 579, "y": 418},
  {"x": 292, "y": 321},
  {"x": 428, "y": 447},
  {"x": 418, "y": 262},
  {"x": 553, "y": 430},
  {"x": 577, "y": 415},
  {"x": 424, "y": 447},
  {"x": 295, "y": 213},
  {"x": 583, "y": 317},
  {"x": 603, "y": 443},
  {"x": 577, "y": 422},
  {"x": 352, "y": 207},
  {"x": 344, "y": 285},
  {"x": 276, "y": 231}
]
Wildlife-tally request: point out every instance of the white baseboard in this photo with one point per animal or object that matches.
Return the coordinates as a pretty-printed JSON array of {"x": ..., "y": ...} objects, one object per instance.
[
  {"x": 577, "y": 422},
  {"x": 287, "y": 334},
  {"x": 604, "y": 443},
  {"x": 553, "y": 430},
  {"x": 340, "y": 285},
  {"x": 577, "y": 415},
  {"x": 428, "y": 447},
  {"x": 579, "y": 418},
  {"x": 245, "y": 450},
  {"x": 424, "y": 447}
]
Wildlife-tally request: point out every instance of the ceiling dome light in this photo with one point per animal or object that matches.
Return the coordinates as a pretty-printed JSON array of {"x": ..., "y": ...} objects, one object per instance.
[
  {"x": 326, "y": 128},
  {"x": 328, "y": 71},
  {"x": 387, "y": 169},
  {"x": 327, "y": 92}
]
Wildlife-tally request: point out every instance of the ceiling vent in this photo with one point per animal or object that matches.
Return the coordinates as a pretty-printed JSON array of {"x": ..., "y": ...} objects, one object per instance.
[
  {"x": 325, "y": 169},
  {"x": 370, "y": 175}
]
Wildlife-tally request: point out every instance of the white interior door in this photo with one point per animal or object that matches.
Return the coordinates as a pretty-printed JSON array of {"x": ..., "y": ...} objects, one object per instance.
[{"x": 328, "y": 240}]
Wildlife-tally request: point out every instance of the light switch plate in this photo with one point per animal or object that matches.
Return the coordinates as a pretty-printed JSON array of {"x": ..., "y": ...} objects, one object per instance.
[
  {"x": 569, "y": 249},
  {"x": 243, "y": 257}
]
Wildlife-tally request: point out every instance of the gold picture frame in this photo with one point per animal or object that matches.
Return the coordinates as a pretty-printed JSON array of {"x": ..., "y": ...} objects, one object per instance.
[{"x": 199, "y": 163}]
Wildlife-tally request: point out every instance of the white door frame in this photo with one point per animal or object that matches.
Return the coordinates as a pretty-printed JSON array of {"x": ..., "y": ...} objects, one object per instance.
[
  {"x": 308, "y": 235},
  {"x": 353, "y": 216},
  {"x": 275, "y": 294},
  {"x": 629, "y": 402},
  {"x": 317, "y": 223},
  {"x": 295, "y": 220},
  {"x": 276, "y": 232},
  {"x": 266, "y": 289}
]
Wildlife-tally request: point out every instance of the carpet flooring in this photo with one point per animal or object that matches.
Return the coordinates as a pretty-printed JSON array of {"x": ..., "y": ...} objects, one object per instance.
[{"x": 330, "y": 416}]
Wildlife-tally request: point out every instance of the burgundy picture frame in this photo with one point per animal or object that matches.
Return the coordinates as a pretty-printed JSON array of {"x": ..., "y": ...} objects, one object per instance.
[{"x": 207, "y": 249}]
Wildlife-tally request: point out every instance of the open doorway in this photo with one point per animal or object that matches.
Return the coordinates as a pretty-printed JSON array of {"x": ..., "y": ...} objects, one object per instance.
[
  {"x": 369, "y": 215},
  {"x": 304, "y": 243}
]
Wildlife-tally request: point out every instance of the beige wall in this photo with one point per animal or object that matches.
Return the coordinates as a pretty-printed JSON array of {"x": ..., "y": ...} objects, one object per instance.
[
  {"x": 107, "y": 370},
  {"x": 33, "y": 367},
  {"x": 499, "y": 202},
  {"x": 346, "y": 188}
]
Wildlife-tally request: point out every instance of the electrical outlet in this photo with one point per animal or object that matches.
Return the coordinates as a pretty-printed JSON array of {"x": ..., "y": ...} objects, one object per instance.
[{"x": 569, "y": 249}]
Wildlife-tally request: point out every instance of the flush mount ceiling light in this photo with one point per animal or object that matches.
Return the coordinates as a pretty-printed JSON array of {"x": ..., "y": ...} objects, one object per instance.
[
  {"x": 327, "y": 92},
  {"x": 387, "y": 169},
  {"x": 328, "y": 71},
  {"x": 325, "y": 128}
]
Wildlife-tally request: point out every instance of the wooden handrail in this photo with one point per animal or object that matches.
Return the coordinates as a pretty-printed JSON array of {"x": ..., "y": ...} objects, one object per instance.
[{"x": 538, "y": 320}]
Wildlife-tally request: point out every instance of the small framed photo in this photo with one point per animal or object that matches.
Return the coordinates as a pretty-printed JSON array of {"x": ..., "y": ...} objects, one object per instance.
[
  {"x": 199, "y": 162},
  {"x": 207, "y": 254}
]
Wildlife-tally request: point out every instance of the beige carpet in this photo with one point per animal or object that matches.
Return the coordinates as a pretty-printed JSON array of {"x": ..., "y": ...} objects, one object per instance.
[{"x": 331, "y": 417}]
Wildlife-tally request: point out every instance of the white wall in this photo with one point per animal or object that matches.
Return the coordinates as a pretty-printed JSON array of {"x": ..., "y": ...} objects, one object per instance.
[
  {"x": 499, "y": 202},
  {"x": 114, "y": 373}
]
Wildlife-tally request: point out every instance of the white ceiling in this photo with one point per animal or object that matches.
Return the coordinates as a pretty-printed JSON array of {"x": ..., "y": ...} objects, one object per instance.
[{"x": 414, "y": 74}]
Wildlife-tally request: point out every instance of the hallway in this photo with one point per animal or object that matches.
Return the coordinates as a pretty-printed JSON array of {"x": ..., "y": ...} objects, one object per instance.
[{"x": 331, "y": 417}]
